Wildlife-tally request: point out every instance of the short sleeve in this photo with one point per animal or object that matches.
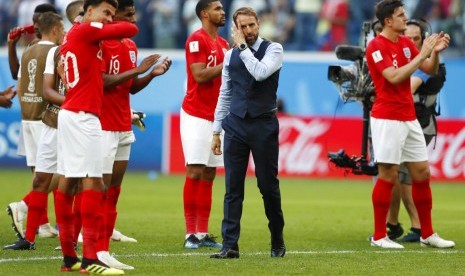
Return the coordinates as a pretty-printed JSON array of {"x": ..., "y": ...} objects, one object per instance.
[
  {"x": 196, "y": 50},
  {"x": 50, "y": 62}
]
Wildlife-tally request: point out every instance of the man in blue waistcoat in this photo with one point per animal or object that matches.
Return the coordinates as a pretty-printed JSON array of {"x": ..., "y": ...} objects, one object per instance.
[{"x": 246, "y": 110}]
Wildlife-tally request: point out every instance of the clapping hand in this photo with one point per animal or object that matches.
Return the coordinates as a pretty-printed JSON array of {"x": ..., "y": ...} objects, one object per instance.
[
  {"x": 7, "y": 96},
  {"x": 147, "y": 63},
  {"x": 162, "y": 67}
]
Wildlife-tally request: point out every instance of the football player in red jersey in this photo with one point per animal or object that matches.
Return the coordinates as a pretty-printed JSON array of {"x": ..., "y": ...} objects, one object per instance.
[
  {"x": 396, "y": 133},
  {"x": 79, "y": 126},
  {"x": 120, "y": 80},
  {"x": 204, "y": 61}
]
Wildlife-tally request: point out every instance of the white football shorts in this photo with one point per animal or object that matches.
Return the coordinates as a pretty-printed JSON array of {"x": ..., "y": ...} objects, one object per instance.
[
  {"x": 196, "y": 138},
  {"x": 31, "y": 135},
  {"x": 116, "y": 146},
  {"x": 79, "y": 144},
  {"x": 396, "y": 142},
  {"x": 47, "y": 148}
]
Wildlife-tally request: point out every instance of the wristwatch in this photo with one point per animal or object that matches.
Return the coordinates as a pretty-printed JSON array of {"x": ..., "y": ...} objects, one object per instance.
[
  {"x": 216, "y": 133},
  {"x": 242, "y": 47}
]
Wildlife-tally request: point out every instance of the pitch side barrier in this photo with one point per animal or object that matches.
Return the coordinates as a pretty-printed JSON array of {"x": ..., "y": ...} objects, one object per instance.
[{"x": 317, "y": 122}]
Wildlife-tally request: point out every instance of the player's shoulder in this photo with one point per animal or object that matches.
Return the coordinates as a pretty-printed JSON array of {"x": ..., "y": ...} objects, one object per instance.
[
  {"x": 197, "y": 34},
  {"x": 130, "y": 43}
]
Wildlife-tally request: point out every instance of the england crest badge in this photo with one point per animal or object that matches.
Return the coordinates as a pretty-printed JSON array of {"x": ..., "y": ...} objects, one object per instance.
[
  {"x": 132, "y": 55},
  {"x": 407, "y": 53}
]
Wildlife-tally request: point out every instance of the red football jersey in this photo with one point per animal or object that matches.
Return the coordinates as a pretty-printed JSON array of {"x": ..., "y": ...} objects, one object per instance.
[
  {"x": 118, "y": 56},
  {"x": 200, "y": 100},
  {"x": 394, "y": 102},
  {"x": 82, "y": 59}
]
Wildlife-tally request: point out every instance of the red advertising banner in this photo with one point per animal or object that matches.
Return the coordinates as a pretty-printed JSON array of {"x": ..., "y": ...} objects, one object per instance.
[{"x": 305, "y": 143}]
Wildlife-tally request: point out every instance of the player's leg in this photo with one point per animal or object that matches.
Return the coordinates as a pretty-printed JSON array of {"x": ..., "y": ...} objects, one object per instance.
[
  {"x": 415, "y": 229},
  {"x": 388, "y": 155},
  {"x": 30, "y": 135},
  {"x": 415, "y": 155},
  {"x": 204, "y": 204},
  {"x": 196, "y": 157}
]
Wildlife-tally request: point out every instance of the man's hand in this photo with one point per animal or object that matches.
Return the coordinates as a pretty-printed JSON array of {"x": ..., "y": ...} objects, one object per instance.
[
  {"x": 161, "y": 68},
  {"x": 237, "y": 35},
  {"x": 442, "y": 43},
  {"x": 6, "y": 97},
  {"x": 14, "y": 35},
  {"x": 147, "y": 63},
  {"x": 429, "y": 45},
  {"x": 216, "y": 144}
]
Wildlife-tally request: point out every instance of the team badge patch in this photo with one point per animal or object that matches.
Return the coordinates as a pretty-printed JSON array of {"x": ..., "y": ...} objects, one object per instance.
[
  {"x": 407, "y": 52},
  {"x": 194, "y": 46},
  {"x": 132, "y": 55},
  {"x": 377, "y": 56}
]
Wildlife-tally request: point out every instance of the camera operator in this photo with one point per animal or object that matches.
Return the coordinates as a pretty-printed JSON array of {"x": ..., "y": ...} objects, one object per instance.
[
  {"x": 397, "y": 136},
  {"x": 424, "y": 89}
]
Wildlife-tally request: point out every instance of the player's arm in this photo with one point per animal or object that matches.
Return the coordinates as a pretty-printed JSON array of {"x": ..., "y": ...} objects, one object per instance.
[
  {"x": 112, "y": 80},
  {"x": 398, "y": 75},
  {"x": 96, "y": 31},
  {"x": 415, "y": 82},
  {"x": 158, "y": 70},
  {"x": 50, "y": 94},
  {"x": 48, "y": 87},
  {"x": 13, "y": 60},
  {"x": 203, "y": 74}
]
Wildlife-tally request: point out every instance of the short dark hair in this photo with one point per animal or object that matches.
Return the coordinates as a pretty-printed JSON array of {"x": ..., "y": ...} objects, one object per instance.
[
  {"x": 47, "y": 21},
  {"x": 122, "y": 4},
  {"x": 45, "y": 8},
  {"x": 202, "y": 5},
  {"x": 385, "y": 9},
  {"x": 244, "y": 11},
  {"x": 95, "y": 3},
  {"x": 74, "y": 9}
]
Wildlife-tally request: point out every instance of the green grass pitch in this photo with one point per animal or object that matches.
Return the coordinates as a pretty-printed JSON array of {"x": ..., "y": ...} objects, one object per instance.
[{"x": 327, "y": 225}]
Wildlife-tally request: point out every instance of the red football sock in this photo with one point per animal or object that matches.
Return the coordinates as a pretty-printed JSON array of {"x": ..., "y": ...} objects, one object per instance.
[
  {"x": 381, "y": 199},
  {"x": 113, "y": 196},
  {"x": 77, "y": 216},
  {"x": 44, "y": 215},
  {"x": 91, "y": 215},
  {"x": 100, "y": 245},
  {"x": 37, "y": 206},
  {"x": 27, "y": 199},
  {"x": 204, "y": 205},
  {"x": 190, "y": 207},
  {"x": 64, "y": 216},
  {"x": 421, "y": 194}
]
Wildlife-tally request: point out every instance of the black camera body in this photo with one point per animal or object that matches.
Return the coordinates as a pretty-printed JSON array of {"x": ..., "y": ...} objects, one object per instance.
[{"x": 354, "y": 84}]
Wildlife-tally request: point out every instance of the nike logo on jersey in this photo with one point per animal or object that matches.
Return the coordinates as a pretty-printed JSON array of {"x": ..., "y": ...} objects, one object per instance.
[
  {"x": 394, "y": 55},
  {"x": 113, "y": 57},
  {"x": 213, "y": 51}
]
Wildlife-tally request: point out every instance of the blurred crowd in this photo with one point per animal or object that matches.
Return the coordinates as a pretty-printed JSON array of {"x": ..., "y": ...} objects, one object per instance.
[{"x": 300, "y": 25}]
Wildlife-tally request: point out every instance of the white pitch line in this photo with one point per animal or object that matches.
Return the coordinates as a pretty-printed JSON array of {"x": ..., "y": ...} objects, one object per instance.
[{"x": 159, "y": 255}]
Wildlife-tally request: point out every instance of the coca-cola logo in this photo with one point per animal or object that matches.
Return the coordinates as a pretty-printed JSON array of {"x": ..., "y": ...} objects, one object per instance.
[
  {"x": 304, "y": 143},
  {"x": 299, "y": 152},
  {"x": 447, "y": 155}
]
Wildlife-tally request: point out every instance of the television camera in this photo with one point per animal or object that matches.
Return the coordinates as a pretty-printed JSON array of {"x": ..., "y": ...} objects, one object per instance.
[{"x": 354, "y": 84}]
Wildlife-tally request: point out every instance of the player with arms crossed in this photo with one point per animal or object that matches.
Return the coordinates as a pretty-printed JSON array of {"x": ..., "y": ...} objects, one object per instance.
[
  {"x": 397, "y": 136},
  {"x": 204, "y": 60},
  {"x": 120, "y": 80},
  {"x": 80, "y": 132}
]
